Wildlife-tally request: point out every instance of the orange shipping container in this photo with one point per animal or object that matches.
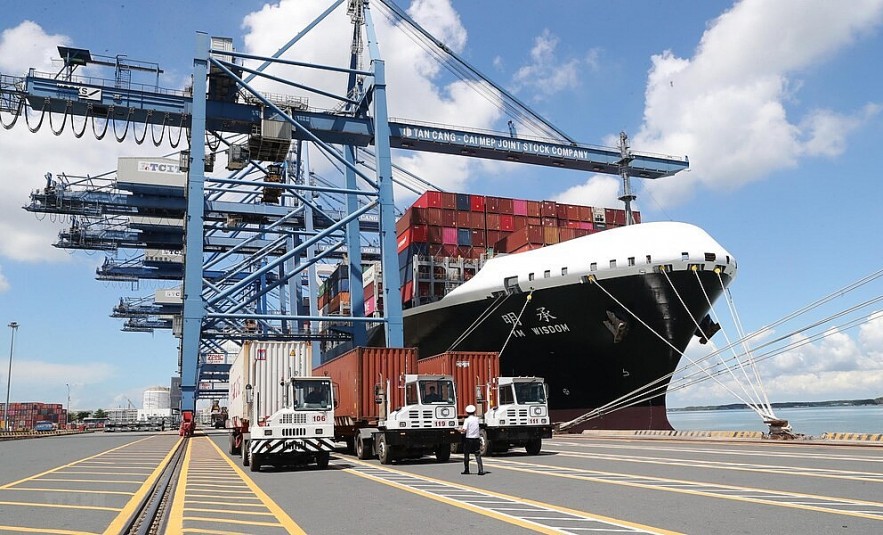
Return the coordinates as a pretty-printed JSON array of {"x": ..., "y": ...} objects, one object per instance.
[
  {"x": 355, "y": 373},
  {"x": 469, "y": 369}
]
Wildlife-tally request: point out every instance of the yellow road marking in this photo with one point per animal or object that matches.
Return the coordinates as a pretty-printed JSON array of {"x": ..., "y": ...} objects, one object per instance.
[
  {"x": 75, "y": 491},
  {"x": 176, "y": 515},
  {"x": 62, "y": 467},
  {"x": 89, "y": 480},
  {"x": 227, "y": 510},
  {"x": 117, "y": 525},
  {"x": 45, "y": 530},
  {"x": 598, "y": 479},
  {"x": 493, "y": 514},
  {"x": 62, "y": 506}
]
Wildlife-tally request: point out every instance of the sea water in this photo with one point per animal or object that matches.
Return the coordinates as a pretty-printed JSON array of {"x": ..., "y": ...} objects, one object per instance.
[{"x": 806, "y": 420}]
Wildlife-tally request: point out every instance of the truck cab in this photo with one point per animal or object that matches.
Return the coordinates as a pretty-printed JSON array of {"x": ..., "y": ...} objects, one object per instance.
[
  {"x": 300, "y": 432},
  {"x": 425, "y": 424},
  {"x": 516, "y": 414}
]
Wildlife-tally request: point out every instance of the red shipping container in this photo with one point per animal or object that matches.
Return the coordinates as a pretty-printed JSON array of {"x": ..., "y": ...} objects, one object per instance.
[
  {"x": 477, "y": 203},
  {"x": 479, "y": 238},
  {"x": 434, "y": 216},
  {"x": 492, "y": 205},
  {"x": 572, "y": 212},
  {"x": 565, "y": 234},
  {"x": 449, "y": 218},
  {"x": 519, "y": 221},
  {"x": 616, "y": 217},
  {"x": 507, "y": 223},
  {"x": 637, "y": 216},
  {"x": 507, "y": 206},
  {"x": 550, "y": 209},
  {"x": 493, "y": 236},
  {"x": 550, "y": 222},
  {"x": 449, "y": 235},
  {"x": 585, "y": 213},
  {"x": 434, "y": 234},
  {"x": 463, "y": 219},
  {"x": 429, "y": 199},
  {"x": 469, "y": 369},
  {"x": 356, "y": 372},
  {"x": 534, "y": 209},
  {"x": 493, "y": 221},
  {"x": 561, "y": 211},
  {"x": 586, "y": 225},
  {"x": 535, "y": 221},
  {"x": 519, "y": 207},
  {"x": 449, "y": 201},
  {"x": 370, "y": 305},
  {"x": 368, "y": 292},
  {"x": 477, "y": 220}
]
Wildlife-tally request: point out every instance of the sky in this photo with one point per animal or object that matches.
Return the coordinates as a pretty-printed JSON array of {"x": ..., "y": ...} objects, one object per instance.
[{"x": 778, "y": 105}]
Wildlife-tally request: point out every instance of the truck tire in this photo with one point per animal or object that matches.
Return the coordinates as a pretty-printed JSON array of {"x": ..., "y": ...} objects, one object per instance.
[
  {"x": 322, "y": 459},
  {"x": 383, "y": 452},
  {"x": 350, "y": 445},
  {"x": 256, "y": 459},
  {"x": 443, "y": 453},
  {"x": 246, "y": 456},
  {"x": 534, "y": 446},
  {"x": 486, "y": 447},
  {"x": 363, "y": 449},
  {"x": 456, "y": 447},
  {"x": 234, "y": 449}
]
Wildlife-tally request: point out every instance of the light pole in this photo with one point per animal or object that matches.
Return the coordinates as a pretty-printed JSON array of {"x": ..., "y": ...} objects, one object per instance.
[
  {"x": 67, "y": 420},
  {"x": 14, "y": 326}
]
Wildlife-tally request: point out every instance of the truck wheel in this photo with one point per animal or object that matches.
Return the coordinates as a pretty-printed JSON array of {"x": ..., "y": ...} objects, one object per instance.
[
  {"x": 486, "y": 447},
  {"x": 383, "y": 451},
  {"x": 456, "y": 447},
  {"x": 350, "y": 444},
  {"x": 443, "y": 453},
  {"x": 363, "y": 449},
  {"x": 534, "y": 446},
  {"x": 256, "y": 459},
  {"x": 246, "y": 455},
  {"x": 234, "y": 448},
  {"x": 322, "y": 459}
]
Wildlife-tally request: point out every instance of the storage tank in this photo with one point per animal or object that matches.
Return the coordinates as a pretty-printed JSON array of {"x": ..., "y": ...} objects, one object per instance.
[
  {"x": 469, "y": 369},
  {"x": 157, "y": 397}
]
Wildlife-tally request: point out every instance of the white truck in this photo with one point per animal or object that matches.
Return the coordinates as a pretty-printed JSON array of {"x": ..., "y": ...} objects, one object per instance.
[
  {"x": 388, "y": 412},
  {"x": 514, "y": 412},
  {"x": 279, "y": 414}
]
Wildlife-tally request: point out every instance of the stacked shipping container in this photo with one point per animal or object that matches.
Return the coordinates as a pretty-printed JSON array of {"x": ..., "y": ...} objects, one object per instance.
[
  {"x": 457, "y": 226},
  {"x": 24, "y": 416},
  {"x": 444, "y": 238}
]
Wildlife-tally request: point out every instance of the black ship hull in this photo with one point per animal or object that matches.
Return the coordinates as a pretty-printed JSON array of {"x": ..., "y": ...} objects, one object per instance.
[{"x": 566, "y": 335}]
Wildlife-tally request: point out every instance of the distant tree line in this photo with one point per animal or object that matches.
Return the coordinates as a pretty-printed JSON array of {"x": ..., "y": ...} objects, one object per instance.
[{"x": 790, "y": 404}]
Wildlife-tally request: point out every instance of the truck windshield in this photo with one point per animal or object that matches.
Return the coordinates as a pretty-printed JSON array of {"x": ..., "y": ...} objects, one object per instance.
[
  {"x": 437, "y": 391},
  {"x": 530, "y": 392},
  {"x": 314, "y": 395}
]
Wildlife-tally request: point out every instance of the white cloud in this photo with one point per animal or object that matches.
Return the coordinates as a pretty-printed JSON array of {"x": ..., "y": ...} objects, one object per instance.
[
  {"x": 729, "y": 106},
  {"x": 4, "y": 282},
  {"x": 599, "y": 190},
  {"x": 27, "y": 45},
  {"x": 546, "y": 74}
]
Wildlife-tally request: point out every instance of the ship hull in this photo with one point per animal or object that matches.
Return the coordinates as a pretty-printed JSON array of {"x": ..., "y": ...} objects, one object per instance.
[{"x": 560, "y": 334}]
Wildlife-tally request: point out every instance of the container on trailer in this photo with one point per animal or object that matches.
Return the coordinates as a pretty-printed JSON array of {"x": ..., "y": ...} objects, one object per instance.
[
  {"x": 356, "y": 372},
  {"x": 469, "y": 369}
]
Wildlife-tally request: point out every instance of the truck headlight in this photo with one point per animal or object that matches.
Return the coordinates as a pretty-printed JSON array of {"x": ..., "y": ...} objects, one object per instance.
[
  {"x": 444, "y": 412},
  {"x": 537, "y": 411},
  {"x": 318, "y": 431},
  {"x": 403, "y": 424}
]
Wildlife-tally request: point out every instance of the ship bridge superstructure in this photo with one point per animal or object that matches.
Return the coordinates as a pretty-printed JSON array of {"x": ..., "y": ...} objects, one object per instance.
[{"x": 242, "y": 251}]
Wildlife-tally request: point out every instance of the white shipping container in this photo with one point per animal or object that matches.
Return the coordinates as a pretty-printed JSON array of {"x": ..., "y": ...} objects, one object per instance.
[
  {"x": 168, "y": 296},
  {"x": 266, "y": 366}
]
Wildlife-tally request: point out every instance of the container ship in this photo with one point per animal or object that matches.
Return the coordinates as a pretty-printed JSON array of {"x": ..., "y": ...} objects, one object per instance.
[{"x": 602, "y": 310}]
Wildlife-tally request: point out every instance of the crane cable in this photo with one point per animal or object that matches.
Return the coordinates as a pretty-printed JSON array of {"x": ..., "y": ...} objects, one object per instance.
[{"x": 495, "y": 304}]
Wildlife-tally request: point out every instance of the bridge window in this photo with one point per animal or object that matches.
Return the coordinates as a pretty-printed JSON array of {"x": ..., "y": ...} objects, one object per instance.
[
  {"x": 547, "y": 274},
  {"x": 563, "y": 271},
  {"x": 710, "y": 257},
  {"x": 593, "y": 266},
  {"x": 530, "y": 276},
  {"x": 649, "y": 259},
  {"x": 631, "y": 260},
  {"x": 612, "y": 263},
  {"x": 685, "y": 257}
]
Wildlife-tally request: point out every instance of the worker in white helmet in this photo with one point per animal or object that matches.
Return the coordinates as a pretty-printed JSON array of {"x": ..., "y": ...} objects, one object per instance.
[{"x": 471, "y": 440}]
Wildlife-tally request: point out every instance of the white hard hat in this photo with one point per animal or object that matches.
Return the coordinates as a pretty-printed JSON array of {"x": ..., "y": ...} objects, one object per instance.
[{"x": 470, "y": 409}]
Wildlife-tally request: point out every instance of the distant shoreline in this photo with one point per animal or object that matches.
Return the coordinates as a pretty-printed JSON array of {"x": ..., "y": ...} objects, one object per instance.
[{"x": 786, "y": 405}]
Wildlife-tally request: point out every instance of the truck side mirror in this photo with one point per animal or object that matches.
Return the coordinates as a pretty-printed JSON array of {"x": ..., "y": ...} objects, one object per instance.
[
  {"x": 378, "y": 394},
  {"x": 479, "y": 395}
]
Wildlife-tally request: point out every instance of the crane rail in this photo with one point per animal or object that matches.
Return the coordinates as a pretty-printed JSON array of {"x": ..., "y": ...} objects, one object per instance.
[{"x": 151, "y": 515}]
